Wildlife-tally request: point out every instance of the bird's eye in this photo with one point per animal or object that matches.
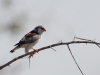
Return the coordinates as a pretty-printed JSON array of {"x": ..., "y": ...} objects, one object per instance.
[{"x": 42, "y": 28}]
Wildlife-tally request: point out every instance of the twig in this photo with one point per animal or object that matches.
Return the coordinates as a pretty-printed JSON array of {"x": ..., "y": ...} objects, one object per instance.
[
  {"x": 98, "y": 45},
  {"x": 85, "y": 40},
  {"x": 43, "y": 48},
  {"x": 52, "y": 48},
  {"x": 29, "y": 62},
  {"x": 74, "y": 38},
  {"x": 81, "y": 39},
  {"x": 74, "y": 59}
]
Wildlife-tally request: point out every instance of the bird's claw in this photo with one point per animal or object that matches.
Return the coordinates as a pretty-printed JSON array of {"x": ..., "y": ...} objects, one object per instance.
[
  {"x": 31, "y": 54},
  {"x": 36, "y": 50}
]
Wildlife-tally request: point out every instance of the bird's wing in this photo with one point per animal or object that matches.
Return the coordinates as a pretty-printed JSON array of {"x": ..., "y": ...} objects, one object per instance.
[{"x": 28, "y": 38}]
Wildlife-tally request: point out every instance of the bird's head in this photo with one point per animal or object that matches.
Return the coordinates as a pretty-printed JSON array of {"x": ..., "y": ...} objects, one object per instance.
[{"x": 39, "y": 29}]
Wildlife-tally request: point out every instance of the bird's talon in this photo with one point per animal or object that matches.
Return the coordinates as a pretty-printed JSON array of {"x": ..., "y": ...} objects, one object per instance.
[
  {"x": 36, "y": 50},
  {"x": 31, "y": 55}
]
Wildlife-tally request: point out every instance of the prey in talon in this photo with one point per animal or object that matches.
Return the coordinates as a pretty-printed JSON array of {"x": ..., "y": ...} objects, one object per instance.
[{"x": 30, "y": 40}]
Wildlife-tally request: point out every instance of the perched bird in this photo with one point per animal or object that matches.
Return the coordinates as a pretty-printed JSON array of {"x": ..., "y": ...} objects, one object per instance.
[{"x": 30, "y": 39}]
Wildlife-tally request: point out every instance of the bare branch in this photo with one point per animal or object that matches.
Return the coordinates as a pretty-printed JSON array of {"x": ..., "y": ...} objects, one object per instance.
[
  {"x": 74, "y": 59},
  {"x": 52, "y": 48},
  {"x": 85, "y": 40},
  {"x": 43, "y": 48},
  {"x": 82, "y": 39}
]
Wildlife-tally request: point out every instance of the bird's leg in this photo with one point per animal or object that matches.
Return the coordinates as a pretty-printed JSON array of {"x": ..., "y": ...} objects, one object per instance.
[{"x": 34, "y": 50}]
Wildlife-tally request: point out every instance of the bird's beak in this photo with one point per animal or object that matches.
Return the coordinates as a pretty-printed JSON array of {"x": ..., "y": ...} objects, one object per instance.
[{"x": 44, "y": 29}]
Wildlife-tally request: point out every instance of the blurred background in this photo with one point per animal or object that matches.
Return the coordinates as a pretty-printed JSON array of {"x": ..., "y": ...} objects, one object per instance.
[{"x": 63, "y": 19}]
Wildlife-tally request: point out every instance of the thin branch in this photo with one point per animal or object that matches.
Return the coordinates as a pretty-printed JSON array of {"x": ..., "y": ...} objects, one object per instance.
[
  {"x": 82, "y": 39},
  {"x": 85, "y": 40},
  {"x": 98, "y": 45},
  {"x": 74, "y": 59},
  {"x": 52, "y": 48},
  {"x": 43, "y": 48}
]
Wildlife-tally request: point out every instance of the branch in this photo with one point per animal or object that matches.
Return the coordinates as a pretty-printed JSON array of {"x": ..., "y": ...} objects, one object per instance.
[
  {"x": 74, "y": 59},
  {"x": 43, "y": 48}
]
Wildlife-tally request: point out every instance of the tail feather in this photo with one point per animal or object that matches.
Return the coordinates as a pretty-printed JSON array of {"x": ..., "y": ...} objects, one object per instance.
[{"x": 13, "y": 50}]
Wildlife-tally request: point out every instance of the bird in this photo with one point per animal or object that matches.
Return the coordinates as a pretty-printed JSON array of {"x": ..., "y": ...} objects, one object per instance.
[{"x": 30, "y": 39}]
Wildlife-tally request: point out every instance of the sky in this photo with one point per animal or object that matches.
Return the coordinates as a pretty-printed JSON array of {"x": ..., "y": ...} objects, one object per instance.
[{"x": 63, "y": 19}]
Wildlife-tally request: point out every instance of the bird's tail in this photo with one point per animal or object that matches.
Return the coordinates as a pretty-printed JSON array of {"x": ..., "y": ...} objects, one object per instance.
[{"x": 13, "y": 50}]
